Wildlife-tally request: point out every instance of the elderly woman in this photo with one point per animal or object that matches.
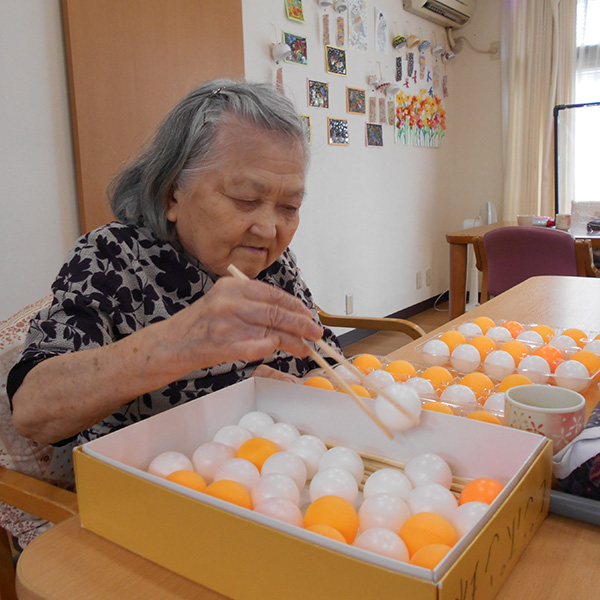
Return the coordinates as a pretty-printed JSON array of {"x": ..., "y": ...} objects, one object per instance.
[{"x": 144, "y": 316}]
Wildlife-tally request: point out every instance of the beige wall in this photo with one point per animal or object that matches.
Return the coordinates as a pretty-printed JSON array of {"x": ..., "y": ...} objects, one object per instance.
[{"x": 372, "y": 217}]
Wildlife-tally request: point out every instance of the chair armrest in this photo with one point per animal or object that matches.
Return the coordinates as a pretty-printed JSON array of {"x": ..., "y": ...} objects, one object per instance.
[
  {"x": 375, "y": 323},
  {"x": 585, "y": 259},
  {"x": 37, "y": 497}
]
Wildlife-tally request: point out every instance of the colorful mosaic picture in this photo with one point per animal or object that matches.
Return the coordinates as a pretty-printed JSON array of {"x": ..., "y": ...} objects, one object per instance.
[
  {"x": 420, "y": 119},
  {"x": 293, "y": 10},
  {"x": 298, "y": 45},
  {"x": 335, "y": 60},
  {"x": 338, "y": 132},
  {"x": 356, "y": 101},
  {"x": 318, "y": 94},
  {"x": 374, "y": 134},
  {"x": 307, "y": 127}
]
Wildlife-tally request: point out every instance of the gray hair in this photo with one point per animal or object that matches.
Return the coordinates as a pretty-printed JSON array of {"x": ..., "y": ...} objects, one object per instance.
[{"x": 185, "y": 144}]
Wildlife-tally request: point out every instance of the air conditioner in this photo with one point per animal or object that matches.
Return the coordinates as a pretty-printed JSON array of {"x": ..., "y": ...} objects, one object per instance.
[{"x": 449, "y": 13}]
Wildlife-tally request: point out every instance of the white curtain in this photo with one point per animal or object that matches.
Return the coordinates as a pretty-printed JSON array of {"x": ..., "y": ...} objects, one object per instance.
[{"x": 538, "y": 73}]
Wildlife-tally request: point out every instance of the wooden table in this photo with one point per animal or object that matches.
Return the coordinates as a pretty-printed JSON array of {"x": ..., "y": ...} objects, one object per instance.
[
  {"x": 67, "y": 562},
  {"x": 458, "y": 242}
]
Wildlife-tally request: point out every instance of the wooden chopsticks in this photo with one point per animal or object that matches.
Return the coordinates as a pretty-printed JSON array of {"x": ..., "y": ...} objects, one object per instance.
[{"x": 331, "y": 352}]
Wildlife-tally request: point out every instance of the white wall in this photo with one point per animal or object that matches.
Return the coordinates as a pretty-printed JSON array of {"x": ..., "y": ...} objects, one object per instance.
[
  {"x": 372, "y": 217},
  {"x": 38, "y": 211}
]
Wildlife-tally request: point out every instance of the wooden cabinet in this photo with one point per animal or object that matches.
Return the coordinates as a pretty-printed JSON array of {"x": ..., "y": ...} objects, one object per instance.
[{"x": 129, "y": 62}]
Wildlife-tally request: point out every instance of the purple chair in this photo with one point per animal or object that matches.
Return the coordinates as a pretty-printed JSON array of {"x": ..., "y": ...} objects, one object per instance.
[{"x": 509, "y": 255}]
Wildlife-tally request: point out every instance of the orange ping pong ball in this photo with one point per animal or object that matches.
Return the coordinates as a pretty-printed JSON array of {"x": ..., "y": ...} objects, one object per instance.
[
  {"x": 401, "y": 370},
  {"x": 439, "y": 377},
  {"x": 453, "y": 338},
  {"x": 230, "y": 491},
  {"x": 366, "y": 363},
  {"x": 577, "y": 335},
  {"x": 335, "y": 512},
  {"x": 484, "y": 323},
  {"x": 359, "y": 390},
  {"x": 425, "y": 528},
  {"x": 484, "y": 345},
  {"x": 485, "y": 416},
  {"x": 545, "y": 331},
  {"x": 514, "y": 327},
  {"x": 552, "y": 355},
  {"x": 189, "y": 479},
  {"x": 327, "y": 531},
  {"x": 319, "y": 382},
  {"x": 438, "y": 407},
  {"x": 481, "y": 385},
  {"x": 429, "y": 556},
  {"x": 518, "y": 350},
  {"x": 483, "y": 489},
  {"x": 513, "y": 380},
  {"x": 589, "y": 359},
  {"x": 257, "y": 450}
]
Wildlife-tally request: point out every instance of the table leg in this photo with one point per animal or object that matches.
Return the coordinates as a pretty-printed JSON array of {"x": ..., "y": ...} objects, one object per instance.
[{"x": 458, "y": 279}]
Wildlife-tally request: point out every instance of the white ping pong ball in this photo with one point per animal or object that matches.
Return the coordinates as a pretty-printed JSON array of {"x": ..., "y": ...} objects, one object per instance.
[
  {"x": 423, "y": 387},
  {"x": 168, "y": 462},
  {"x": 232, "y": 435},
  {"x": 379, "y": 378},
  {"x": 256, "y": 422},
  {"x": 275, "y": 485},
  {"x": 535, "y": 367},
  {"x": 432, "y": 497},
  {"x": 288, "y": 464},
  {"x": 572, "y": 374},
  {"x": 208, "y": 457},
  {"x": 334, "y": 482},
  {"x": 435, "y": 352},
  {"x": 281, "y": 509},
  {"x": 499, "y": 363},
  {"x": 344, "y": 458},
  {"x": 383, "y": 542},
  {"x": 495, "y": 402},
  {"x": 530, "y": 337},
  {"x": 347, "y": 374},
  {"x": 282, "y": 434},
  {"x": 465, "y": 358},
  {"x": 499, "y": 334},
  {"x": 459, "y": 395},
  {"x": 240, "y": 470},
  {"x": 407, "y": 397},
  {"x": 564, "y": 342},
  {"x": 470, "y": 329},
  {"x": 310, "y": 449},
  {"x": 467, "y": 515},
  {"x": 387, "y": 481},
  {"x": 383, "y": 510},
  {"x": 593, "y": 346},
  {"x": 428, "y": 468}
]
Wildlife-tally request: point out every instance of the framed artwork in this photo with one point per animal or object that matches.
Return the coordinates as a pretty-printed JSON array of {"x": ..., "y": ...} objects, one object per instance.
[
  {"x": 318, "y": 94},
  {"x": 293, "y": 10},
  {"x": 357, "y": 25},
  {"x": 337, "y": 132},
  {"x": 299, "y": 49},
  {"x": 307, "y": 127},
  {"x": 335, "y": 60},
  {"x": 374, "y": 134},
  {"x": 356, "y": 101}
]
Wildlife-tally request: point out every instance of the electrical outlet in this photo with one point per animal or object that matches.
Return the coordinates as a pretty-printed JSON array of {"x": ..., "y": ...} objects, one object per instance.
[
  {"x": 494, "y": 51},
  {"x": 419, "y": 280},
  {"x": 349, "y": 304},
  {"x": 428, "y": 277}
]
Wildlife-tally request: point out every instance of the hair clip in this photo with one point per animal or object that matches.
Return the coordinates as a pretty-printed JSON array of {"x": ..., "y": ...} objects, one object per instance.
[{"x": 216, "y": 92}]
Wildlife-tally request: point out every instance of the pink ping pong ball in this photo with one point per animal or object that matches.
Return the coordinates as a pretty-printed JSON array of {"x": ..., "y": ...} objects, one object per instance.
[
  {"x": 432, "y": 497},
  {"x": 256, "y": 422},
  {"x": 232, "y": 435},
  {"x": 344, "y": 458},
  {"x": 383, "y": 510},
  {"x": 428, "y": 468},
  {"x": 384, "y": 542},
  {"x": 275, "y": 485},
  {"x": 208, "y": 457},
  {"x": 282, "y": 434},
  {"x": 467, "y": 515},
  {"x": 387, "y": 481},
  {"x": 334, "y": 481},
  {"x": 288, "y": 464},
  {"x": 240, "y": 470},
  {"x": 281, "y": 509},
  {"x": 168, "y": 462},
  {"x": 310, "y": 449}
]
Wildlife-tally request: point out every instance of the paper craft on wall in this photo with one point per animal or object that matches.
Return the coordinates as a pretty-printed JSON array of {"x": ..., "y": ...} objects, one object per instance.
[
  {"x": 381, "y": 31},
  {"x": 297, "y": 43},
  {"x": 382, "y": 111},
  {"x": 335, "y": 60},
  {"x": 340, "y": 36},
  {"x": 420, "y": 118},
  {"x": 372, "y": 108},
  {"x": 356, "y": 101},
  {"x": 318, "y": 94},
  {"x": 391, "y": 112},
  {"x": 338, "y": 132},
  {"x": 357, "y": 25},
  {"x": 307, "y": 127},
  {"x": 398, "y": 68},
  {"x": 374, "y": 135},
  {"x": 293, "y": 10},
  {"x": 326, "y": 39}
]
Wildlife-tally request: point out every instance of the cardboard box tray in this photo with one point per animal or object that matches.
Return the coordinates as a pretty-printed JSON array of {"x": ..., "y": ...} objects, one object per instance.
[{"x": 244, "y": 555}]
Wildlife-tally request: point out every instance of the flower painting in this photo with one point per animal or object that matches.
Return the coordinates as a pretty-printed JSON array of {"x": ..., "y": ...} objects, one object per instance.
[{"x": 420, "y": 119}]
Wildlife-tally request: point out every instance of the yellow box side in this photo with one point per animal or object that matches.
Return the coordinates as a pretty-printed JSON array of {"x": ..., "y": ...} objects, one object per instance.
[
  {"x": 489, "y": 559},
  {"x": 239, "y": 558}
]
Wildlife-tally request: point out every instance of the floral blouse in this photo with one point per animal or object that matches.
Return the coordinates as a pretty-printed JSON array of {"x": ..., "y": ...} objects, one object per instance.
[{"x": 120, "y": 278}]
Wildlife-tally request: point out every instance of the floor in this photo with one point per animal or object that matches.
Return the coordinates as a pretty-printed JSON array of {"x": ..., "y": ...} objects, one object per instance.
[{"x": 384, "y": 342}]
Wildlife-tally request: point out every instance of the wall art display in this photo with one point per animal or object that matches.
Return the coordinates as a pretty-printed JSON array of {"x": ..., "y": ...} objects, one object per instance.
[
  {"x": 410, "y": 60},
  {"x": 335, "y": 60},
  {"x": 382, "y": 111},
  {"x": 307, "y": 127},
  {"x": 356, "y": 101},
  {"x": 338, "y": 132},
  {"x": 391, "y": 112},
  {"x": 374, "y": 134},
  {"x": 398, "y": 68},
  {"x": 372, "y": 108},
  {"x": 318, "y": 94},
  {"x": 293, "y": 10},
  {"x": 299, "y": 50},
  {"x": 381, "y": 31},
  {"x": 340, "y": 32},
  {"x": 357, "y": 25},
  {"x": 326, "y": 40},
  {"x": 420, "y": 119}
]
